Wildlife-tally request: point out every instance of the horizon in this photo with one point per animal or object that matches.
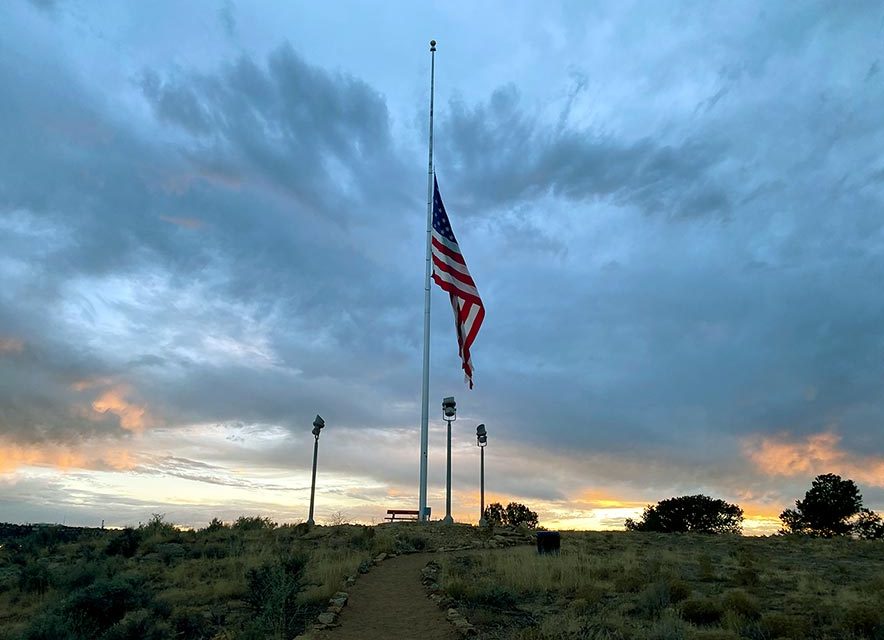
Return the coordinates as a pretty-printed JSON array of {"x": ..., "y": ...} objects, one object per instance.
[{"x": 212, "y": 224}]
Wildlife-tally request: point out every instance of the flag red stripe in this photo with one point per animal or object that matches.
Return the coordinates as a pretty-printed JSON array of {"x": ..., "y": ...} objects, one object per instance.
[
  {"x": 454, "y": 255},
  {"x": 451, "y": 289},
  {"x": 463, "y": 277}
]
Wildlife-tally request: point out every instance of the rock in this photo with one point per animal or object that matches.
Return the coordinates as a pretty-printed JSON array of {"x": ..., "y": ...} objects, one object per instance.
[
  {"x": 452, "y": 614},
  {"x": 335, "y": 608},
  {"x": 326, "y": 618},
  {"x": 381, "y": 557}
]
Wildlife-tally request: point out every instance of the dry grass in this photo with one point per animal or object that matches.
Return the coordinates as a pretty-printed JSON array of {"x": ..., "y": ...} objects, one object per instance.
[{"x": 647, "y": 586}]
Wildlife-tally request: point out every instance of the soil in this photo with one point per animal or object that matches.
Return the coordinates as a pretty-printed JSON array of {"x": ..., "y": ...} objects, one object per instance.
[{"x": 390, "y": 602}]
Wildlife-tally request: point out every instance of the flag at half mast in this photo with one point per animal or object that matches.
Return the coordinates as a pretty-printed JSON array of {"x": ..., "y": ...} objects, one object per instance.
[{"x": 451, "y": 274}]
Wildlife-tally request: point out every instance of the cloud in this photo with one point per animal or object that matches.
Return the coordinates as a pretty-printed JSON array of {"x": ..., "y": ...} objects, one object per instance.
[
  {"x": 674, "y": 249},
  {"x": 11, "y": 345},
  {"x": 504, "y": 155},
  {"x": 92, "y": 457},
  {"x": 187, "y": 223},
  {"x": 114, "y": 400},
  {"x": 813, "y": 455}
]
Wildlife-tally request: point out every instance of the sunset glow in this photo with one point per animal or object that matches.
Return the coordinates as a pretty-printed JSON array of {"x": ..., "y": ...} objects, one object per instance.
[{"x": 213, "y": 228}]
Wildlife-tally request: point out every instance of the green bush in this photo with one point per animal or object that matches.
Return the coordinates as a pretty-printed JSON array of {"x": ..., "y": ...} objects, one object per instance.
[
  {"x": 742, "y": 604},
  {"x": 654, "y": 598},
  {"x": 253, "y": 523},
  {"x": 139, "y": 625},
  {"x": 702, "y": 611},
  {"x": 93, "y": 610},
  {"x": 272, "y": 591},
  {"x": 34, "y": 577},
  {"x": 49, "y": 626},
  {"x": 781, "y": 625},
  {"x": 124, "y": 543},
  {"x": 629, "y": 581},
  {"x": 864, "y": 619},
  {"x": 678, "y": 590}
]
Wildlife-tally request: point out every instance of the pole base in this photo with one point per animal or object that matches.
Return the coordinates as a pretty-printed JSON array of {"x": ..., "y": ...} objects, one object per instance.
[
  {"x": 310, "y": 522},
  {"x": 483, "y": 522},
  {"x": 447, "y": 520}
]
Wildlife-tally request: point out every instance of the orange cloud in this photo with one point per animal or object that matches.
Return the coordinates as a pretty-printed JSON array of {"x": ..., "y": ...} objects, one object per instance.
[
  {"x": 132, "y": 417},
  {"x": 13, "y": 457},
  {"x": 11, "y": 345},
  {"x": 815, "y": 454}
]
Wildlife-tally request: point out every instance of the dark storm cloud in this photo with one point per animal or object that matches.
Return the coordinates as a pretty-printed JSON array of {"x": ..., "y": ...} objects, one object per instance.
[
  {"x": 266, "y": 151},
  {"x": 505, "y": 155}
]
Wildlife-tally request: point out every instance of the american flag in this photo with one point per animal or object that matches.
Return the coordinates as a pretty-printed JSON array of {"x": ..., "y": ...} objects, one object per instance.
[{"x": 450, "y": 272}]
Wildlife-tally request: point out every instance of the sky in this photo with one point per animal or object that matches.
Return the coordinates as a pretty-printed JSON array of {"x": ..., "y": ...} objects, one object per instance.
[{"x": 212, "y": 220}]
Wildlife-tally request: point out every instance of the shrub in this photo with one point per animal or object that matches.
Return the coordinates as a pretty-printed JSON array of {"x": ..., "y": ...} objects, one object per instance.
[
  {"x": 629, "y": 581},
  {"x": 699, "y": 514},
  {"x": 49, "y": 626},
  {"x": 701, "y": 611},
  {"x": 747, "y": 577},
  {"x": 654, "y": 598},
  {"x": 864, "y": 619},
  {"x": 96, "y": 608},
  {"x": 253, "y": 523},
  {"x": 215, "y": 525},
  {"x": 678, "y": 590},
  {"x": 138, "y": 625},
  {"x": 272, "y": 591},
  {"x": 742, "y": 604},
  {"x": 781, "y": 625},
  {"x": 514, "y": 514},
  {"x": 125, "y": 543},
  {"x": 34, "y": 577}
]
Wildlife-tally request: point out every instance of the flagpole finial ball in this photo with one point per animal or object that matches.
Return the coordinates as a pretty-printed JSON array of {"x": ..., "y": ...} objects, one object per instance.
[{"x": 432, "y": 45}]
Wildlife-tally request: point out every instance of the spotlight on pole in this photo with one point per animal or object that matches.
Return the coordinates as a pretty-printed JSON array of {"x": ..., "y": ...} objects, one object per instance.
[
  {"x": 449, "y": 414},
  {"x": 318, "y": 425},
  {"x": 481, "y": 442}
]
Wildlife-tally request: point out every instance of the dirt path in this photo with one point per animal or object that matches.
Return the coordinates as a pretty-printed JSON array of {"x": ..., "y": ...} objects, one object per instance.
[{"x": 390, "y": 602}]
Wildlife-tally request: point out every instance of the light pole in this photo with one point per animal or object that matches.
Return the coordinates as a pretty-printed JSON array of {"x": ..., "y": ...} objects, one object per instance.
[
  {"x": 449, "y": 414},
  {"x": 481, "y": 441},
  {"x": 318, "y": 424}
]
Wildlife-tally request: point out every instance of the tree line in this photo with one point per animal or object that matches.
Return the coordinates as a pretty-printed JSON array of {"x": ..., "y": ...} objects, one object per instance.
[{"x": 832, "y": 507}]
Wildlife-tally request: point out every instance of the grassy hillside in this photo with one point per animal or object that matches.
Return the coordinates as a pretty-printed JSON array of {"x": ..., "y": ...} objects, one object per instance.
[
  {"x": 671, "y": 587},
  {"x": 249, "y": 580},
  {"x": 256, "y": 580}
]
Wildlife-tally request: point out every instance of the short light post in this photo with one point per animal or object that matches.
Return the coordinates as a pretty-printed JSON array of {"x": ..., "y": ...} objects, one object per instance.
[
  {"x": 482, "y": 441},
  {"x": 318, "y": 424},
  {"x": 449, "y": 414}
]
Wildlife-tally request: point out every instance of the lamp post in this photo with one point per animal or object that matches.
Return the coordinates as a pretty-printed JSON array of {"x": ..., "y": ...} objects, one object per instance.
[
  {"x": 481, "y": 441},
  {"x": 318, "y": 424},
  {"x": 449, "y": 414}
]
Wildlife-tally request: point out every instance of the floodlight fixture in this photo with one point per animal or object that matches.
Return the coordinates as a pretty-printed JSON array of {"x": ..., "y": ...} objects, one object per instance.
[
  {"x": 318, "y": 424},
  {"x": 449, "y": 409}
]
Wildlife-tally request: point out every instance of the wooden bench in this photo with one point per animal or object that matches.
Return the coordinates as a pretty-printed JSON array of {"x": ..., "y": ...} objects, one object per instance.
[{"x": 404, "y": 514}]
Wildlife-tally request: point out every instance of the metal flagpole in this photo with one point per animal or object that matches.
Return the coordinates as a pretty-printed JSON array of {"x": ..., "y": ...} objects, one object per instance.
[{"x": 425, "y": 395}]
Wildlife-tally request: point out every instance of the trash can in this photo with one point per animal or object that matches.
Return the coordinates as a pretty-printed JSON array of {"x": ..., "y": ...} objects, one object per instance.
[{"x": 548, "y": 542}]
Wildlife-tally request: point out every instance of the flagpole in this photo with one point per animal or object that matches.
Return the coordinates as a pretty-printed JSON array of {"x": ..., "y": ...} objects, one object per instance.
[{"x": 425, "y": 394}]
